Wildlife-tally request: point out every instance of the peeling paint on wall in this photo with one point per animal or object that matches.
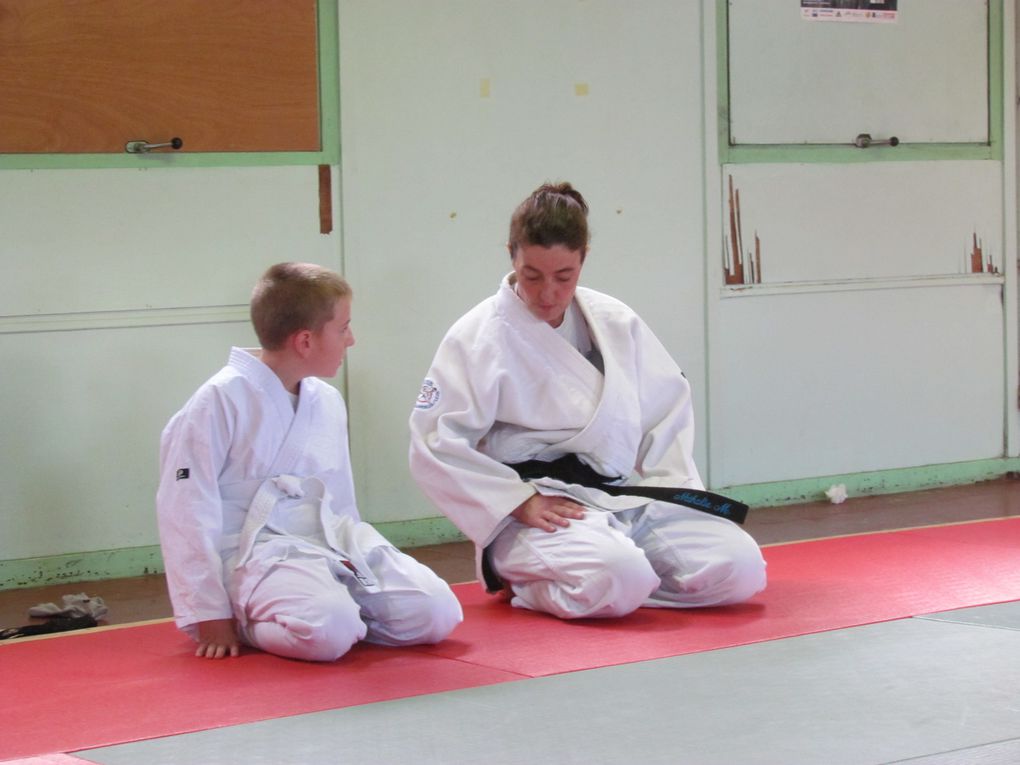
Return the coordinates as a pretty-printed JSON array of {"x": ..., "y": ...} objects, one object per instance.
[
  {"x": 737, "y": 270},
  {"x": 977, "y": 261}
]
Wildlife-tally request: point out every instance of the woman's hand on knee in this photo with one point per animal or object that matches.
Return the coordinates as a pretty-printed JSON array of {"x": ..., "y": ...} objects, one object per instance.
[{"x": 547, "y": 513}]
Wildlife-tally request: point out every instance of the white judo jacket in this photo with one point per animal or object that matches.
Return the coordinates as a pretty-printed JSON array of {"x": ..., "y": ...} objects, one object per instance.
[
  {"x": 239, "y": 430},
  {"x": 505, "y": 387}
]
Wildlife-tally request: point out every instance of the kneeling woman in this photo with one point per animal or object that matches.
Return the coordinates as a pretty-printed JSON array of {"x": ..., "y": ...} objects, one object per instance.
[{"x": 548, "y": 374}]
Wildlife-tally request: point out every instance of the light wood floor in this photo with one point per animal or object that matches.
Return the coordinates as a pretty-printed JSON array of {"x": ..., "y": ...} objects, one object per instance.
[{"x": 144, "y": 597}]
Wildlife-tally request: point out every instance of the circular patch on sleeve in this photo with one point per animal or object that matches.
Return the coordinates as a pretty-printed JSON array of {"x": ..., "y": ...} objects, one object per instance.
[{"x": 429, "y": 395}]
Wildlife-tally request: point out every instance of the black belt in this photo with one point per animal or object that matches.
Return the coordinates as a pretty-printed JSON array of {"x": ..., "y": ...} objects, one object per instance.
[{"x": 570, "y": 469}]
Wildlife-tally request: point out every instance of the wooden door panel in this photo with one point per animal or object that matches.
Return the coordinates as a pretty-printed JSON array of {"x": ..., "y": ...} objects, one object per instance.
[{"x": 87, "y": 76}]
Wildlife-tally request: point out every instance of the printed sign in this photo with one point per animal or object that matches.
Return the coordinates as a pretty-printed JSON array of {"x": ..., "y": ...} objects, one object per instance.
[{"x": 869, "y": 11}]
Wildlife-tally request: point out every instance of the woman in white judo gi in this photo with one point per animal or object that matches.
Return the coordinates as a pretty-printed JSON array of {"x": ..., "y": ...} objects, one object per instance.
[
  {"x": 257, "y": 519},
  {"x": 546, "y": 371}
]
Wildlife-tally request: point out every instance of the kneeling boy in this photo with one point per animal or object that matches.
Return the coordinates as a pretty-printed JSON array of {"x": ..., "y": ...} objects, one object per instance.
[{"x": 258, "y": 524}]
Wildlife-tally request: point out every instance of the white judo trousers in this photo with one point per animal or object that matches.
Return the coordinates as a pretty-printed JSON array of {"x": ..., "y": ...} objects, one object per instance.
[
  {"x": 610, "y": 563},
  {"x": 505, "y": 387},
  {"x": 294, "y": 607},
  {"x": 258, "y": 521},
  {"x": 307, "y": 584}
]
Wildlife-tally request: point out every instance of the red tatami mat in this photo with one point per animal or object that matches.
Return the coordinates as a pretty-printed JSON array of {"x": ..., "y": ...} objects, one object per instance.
[
  {"x": 96, "y": 688},
  {"x": 107, "y": 687},
  {"x": 813, "y": 586}
]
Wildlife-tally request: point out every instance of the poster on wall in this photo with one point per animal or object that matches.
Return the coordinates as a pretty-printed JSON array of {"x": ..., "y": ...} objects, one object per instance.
[{"x": 868, "y": 11}]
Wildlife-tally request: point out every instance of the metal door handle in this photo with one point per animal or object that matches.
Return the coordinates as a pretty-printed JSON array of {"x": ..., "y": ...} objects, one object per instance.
[
  {"x": 864, "y": 140},
  {"x": 144, "y": 147}
]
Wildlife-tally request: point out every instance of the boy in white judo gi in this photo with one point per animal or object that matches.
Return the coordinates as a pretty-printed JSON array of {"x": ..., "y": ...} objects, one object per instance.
[
  {"x": 546, "y": 372},
  {"x": 258, "y": 524}
]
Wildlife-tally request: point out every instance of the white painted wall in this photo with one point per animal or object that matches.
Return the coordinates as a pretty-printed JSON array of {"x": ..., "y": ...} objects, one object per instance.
[
  {"x": 848, "y": 364},
  {"x": 123, "y": 291},
  {"x": 824, "y": 383},
  {"x": 454, "y": 112},
  {"x": 123, "y": 288},
  {"x": 867, "y": 347}
]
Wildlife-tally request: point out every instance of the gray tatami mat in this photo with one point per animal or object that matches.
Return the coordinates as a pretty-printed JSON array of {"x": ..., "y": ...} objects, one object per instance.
[
  {"x": 877, "y": 694},
  {"x": 1005, "y": 615},
  {"x": 1000, "y": 753}
]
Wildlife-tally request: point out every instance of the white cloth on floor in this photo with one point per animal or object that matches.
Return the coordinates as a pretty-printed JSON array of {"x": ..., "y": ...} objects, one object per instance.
[{"x": 73, "y": 605}]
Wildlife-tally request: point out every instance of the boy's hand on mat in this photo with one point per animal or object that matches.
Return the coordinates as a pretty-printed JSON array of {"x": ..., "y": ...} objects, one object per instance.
[
  {"x": 217, "y": 638},
  {"x": 547, "y": 513}
]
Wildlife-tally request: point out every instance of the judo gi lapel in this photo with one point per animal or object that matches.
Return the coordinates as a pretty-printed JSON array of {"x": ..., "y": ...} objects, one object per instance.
[
  {"x": 609, "y": 439},
  {"x": 548, "y": 344},
  {"x": 276, "y": 404},
  {"x": 295, "y": 441},
  {"x": 291, "y": 424}
]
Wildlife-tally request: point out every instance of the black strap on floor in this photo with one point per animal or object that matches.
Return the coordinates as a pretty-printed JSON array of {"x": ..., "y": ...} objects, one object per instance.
[
  {"x": 56, "y": 624},
  {"x": 570, "y": 469}
]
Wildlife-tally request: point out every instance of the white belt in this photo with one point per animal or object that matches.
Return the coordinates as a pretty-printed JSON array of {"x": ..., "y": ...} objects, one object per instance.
[{"x": 271, "y": 491}]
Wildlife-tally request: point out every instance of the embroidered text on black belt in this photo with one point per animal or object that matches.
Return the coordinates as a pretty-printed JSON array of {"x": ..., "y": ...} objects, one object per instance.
[{"x": 570, "y": 469}]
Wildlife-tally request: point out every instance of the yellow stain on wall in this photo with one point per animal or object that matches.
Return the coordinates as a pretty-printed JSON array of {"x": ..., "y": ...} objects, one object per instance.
[
  {"x": 580, "y": 88},
  {"x": 484, "y": 88}
]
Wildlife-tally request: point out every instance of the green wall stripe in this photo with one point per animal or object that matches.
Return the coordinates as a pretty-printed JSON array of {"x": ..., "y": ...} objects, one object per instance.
[
  {"x": 154, "y": 161},
  {"x": 80, "y": 567},
  {"x": 329, "y": 82},
  {"x": 825, "y": 153},
  {"x": 996, "y": 31},
  {"x": 877, "y": 482},
  {"x": 137, "y": 561},
  {"x": 419, "y": 532}
]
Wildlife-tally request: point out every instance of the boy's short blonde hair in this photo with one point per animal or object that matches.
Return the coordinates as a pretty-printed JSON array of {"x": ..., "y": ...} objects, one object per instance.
[{"x": 291, "y": 297}]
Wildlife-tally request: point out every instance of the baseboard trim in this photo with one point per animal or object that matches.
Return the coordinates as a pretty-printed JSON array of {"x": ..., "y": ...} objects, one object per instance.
[
  {"x": 138, "y": 561},
  {"x": 80, "y": 567},
  {"x": 892, "y": 481}
]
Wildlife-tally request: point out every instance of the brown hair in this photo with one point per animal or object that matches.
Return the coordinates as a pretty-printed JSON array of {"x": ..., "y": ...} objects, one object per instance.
[
  {"x": 553, "y": 214},
  {"x": 294, "y": 296}
]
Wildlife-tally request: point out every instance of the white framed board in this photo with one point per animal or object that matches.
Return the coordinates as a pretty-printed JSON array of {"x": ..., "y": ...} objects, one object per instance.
[{"x": 923, "y": 78}]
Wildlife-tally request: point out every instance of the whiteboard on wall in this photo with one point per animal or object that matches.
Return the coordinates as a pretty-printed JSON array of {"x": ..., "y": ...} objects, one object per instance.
[{"x": 922, "y": 78}]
